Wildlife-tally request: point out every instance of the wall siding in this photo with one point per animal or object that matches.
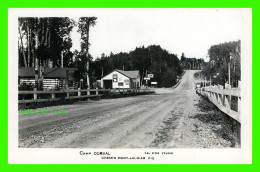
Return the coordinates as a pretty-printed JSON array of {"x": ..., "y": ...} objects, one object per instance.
[{"x": 120, "y": 78}]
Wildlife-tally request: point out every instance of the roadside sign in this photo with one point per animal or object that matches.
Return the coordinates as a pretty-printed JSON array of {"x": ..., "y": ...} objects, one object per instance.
[
  {"x": 150, "y": 75},
  {"x": 154, "y": 83},
  {"x": 146, "y": 78}
]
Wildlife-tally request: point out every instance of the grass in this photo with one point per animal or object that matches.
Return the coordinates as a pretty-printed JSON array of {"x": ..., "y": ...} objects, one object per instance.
[{"x": 221, "y": 124}]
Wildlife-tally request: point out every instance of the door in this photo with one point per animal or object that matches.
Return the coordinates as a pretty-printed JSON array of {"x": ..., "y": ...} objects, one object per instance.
[{"x": 107, "y": 84}]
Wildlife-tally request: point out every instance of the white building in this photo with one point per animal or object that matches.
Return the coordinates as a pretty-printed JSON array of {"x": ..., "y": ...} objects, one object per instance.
[{"x": 121, "y": 79}]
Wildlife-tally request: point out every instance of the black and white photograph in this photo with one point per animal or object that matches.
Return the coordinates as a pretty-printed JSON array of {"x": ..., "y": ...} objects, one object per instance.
[{"x": 130, "y": 85}]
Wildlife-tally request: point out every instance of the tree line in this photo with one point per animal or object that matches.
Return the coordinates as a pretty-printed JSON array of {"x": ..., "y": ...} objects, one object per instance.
[
  {"x": 191, "y": 63},
  {"x": 221, "y": 57},
  {"x": 152, "y": 59},
  {"x": 46, "y": 42}
]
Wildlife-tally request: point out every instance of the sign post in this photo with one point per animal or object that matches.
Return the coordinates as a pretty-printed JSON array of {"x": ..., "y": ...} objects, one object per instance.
[{"x": 146, "y": 79}]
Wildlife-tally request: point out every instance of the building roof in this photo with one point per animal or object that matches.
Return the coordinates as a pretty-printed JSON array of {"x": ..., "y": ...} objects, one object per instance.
[
  {"x": 130, "y": 74},
  {"x": 48, "y": 72}
]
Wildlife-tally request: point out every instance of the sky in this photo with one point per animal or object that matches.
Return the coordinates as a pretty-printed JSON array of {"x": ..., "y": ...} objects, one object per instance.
[{"x": 188, "y": 31}]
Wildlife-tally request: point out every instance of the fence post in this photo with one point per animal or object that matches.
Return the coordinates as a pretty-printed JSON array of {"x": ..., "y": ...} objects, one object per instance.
[
  {"x": 228, "y": 97},
  {"x": 222, "y": 98},
  {"x": 227, "y": 101},
  {"x": 239, "y": 104},
  {"x": 216, "y": 98},
  {"x": 79, "y": 93},
  {"x": 96, "y": 91},
  {"x": 68, "y": 94},
  {"x": 219, "y": 99},
  {"x": 53, "y": 95},
  {"x": 239, "y": 99},
  {"x": 213, "y": 97},
  {"x": 88, "y": 92},
  {"x": 35, "y": 94}
]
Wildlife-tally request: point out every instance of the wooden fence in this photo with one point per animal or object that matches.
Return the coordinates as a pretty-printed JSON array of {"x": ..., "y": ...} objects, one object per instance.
[
  {"x": 80, "y": 93},
  {"x": 221, "y": 97}
]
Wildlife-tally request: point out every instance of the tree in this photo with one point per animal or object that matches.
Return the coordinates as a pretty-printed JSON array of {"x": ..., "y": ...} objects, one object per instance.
[
  {"x": 220, "y": 56},
  {"x": 46, "y": 39},
  {"x": 83, "y": 28},
  {"x": 183, "y": 57},
  {"x": 21, "y": 43}
]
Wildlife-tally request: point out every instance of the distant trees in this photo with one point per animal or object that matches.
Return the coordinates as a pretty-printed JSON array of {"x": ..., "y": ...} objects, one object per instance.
[
  {"x": 46, "y": 42},
  {"x": 152, "y": 59},
  {"x": 191, "y": 63},
  {"x": 220, "y": 56}
]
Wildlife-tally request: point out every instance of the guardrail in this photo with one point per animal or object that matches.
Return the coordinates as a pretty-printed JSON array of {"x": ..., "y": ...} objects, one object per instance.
[
  {"x": 221, "y": 97},
  {"x": 78, "y": 92}
]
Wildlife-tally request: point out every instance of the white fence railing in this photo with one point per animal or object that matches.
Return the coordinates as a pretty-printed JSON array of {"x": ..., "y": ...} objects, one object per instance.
[
  {"x": 77, "y": 94},
  {"x": 221, "y": 97}
]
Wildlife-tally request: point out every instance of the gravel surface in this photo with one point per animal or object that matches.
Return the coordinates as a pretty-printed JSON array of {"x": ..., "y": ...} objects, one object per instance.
[{"x": 167, "y": 119}]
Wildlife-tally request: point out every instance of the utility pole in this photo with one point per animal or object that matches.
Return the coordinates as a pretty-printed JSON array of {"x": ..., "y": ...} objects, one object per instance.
[
  {"x": 229, "y": 78},
  {"x": 146, "y": 79},
  {"x": 229, "y": 73},
  {"x": 61, "y": 59}
]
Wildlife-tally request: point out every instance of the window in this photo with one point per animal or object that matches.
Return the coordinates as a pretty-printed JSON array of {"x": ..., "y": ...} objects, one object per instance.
[
  {"x": 120, "y": 84},
  {"x": 114, "y": 75}
]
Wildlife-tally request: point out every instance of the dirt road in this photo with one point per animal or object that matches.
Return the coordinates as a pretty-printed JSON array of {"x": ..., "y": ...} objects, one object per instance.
[{"x": 158, "y": 120}]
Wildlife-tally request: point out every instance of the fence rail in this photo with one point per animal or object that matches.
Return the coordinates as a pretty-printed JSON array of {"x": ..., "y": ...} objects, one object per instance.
[
  {"x": 79, "y": 95},
  {"x": 221, "y": 97}
]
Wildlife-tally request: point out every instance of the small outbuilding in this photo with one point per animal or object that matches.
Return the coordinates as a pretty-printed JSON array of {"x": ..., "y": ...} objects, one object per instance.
[{"x": 121, "y": 79}]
